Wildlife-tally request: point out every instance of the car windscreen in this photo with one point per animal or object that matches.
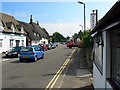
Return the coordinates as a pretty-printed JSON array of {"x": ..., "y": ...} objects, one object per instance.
[
  {"x": 15, "y": 49},
  {"x": 26, "y": 49}
]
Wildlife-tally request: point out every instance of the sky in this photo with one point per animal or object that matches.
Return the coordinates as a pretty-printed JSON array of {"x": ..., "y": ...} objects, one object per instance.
[{"x": 62, "y": 17}]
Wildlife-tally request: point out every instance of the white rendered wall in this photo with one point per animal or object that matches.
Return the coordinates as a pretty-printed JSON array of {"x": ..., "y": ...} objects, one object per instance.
[{"x": 6, "y": 41}]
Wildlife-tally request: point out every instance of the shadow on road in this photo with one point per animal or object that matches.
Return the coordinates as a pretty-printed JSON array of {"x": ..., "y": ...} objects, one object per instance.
[{"x": 17, "y": 61}]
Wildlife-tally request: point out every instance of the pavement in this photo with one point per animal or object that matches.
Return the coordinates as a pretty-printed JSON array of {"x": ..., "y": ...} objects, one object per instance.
[{"x": 76, "y": 75}]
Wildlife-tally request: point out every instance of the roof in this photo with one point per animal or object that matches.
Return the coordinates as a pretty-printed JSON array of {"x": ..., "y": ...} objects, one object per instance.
[
  {"x": 41, "y": 31},
  {"x": 33, "y": 30},
  {"x": 9, "y": 20},
  {"x": 30, "y": 30},
  {"x": 47, "y": 35},
  {"x": 111, "y": 17}
]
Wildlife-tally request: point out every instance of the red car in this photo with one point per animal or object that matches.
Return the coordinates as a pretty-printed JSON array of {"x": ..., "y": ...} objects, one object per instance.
[
  {"x": 44, "y": 47},
  {"x": 70, "y": 44}
]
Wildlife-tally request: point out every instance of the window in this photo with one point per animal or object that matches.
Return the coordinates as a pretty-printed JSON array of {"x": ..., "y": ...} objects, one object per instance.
[
  {"x": 37, "y": 49},
  {"x": 98, "y": 51},
  {"x": 98, "y": 57},
  {"x": 22, "y": 43},
  {"x": 1, "y": 41},
  {"x": 12, "y": 28},
  {"x": 115, "y": 51},
  {"x": 11, "y": 43}
]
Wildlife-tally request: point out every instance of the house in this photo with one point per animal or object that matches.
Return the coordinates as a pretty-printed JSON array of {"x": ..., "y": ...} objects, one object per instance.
[
  {"x": 35, "y": 34},
  {"x": 11, "y": 33},
  {"x": 106, "y": 52},
  {"x": 46, "y": 37}
]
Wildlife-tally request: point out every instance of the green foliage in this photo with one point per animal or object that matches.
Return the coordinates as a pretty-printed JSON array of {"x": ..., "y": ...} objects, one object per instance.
[
  {"x": 86, "y": 40},
  {"x": 57, "y": 37},
  {"x": 85, "y": 37}
]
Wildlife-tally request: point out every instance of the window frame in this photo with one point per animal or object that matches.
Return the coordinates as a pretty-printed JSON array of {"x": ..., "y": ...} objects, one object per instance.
[
  {"x": 1, "y": 43},
  {"x": 98, "y": 63},
  {"x": 113, "y": 82}
]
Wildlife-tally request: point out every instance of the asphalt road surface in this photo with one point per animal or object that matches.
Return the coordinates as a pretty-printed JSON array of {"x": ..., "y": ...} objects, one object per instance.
[{"x": 38, "y": 74}]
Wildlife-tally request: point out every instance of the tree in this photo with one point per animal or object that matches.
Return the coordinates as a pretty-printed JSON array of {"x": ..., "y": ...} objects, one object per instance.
[
  {"x": 67, "y": 38},
  {"x": 58, "y": 37}
]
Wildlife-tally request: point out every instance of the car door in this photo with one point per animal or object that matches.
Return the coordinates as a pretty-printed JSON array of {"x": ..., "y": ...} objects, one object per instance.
[{"x": 38, "y": 52}]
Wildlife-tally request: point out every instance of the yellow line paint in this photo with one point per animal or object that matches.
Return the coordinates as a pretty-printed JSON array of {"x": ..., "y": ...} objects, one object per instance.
[{"x": 57, "y": 75}]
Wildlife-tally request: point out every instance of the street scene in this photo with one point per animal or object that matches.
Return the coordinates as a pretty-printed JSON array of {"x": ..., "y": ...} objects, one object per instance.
[
  {"x": 39, "y": 74},
  {"x": 71, "y": 45}
]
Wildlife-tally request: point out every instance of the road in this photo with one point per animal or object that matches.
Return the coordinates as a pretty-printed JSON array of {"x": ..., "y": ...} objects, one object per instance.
[{"x": 38, "y": 74}]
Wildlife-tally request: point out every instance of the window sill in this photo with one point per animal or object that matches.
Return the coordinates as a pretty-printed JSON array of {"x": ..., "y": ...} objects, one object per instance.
[{"x": 113, "y": 84}]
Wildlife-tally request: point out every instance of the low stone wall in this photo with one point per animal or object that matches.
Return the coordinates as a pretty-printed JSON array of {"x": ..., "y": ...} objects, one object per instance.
[
  {"x": 89, "y": 58},
  {"x": 86, "y": 53}
]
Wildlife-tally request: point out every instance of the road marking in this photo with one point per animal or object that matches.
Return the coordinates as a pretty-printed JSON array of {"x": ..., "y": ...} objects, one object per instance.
[{"x": 57, "y": 75}]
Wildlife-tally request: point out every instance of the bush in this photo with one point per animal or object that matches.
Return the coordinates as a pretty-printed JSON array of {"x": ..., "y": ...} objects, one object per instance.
[
  {"x": 86, "y": 40},
  {"x": 80, "y": 45}
]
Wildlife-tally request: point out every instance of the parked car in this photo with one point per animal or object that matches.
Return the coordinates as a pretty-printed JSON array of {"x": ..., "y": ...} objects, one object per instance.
[
  {"x": 14, "y": 51},
  {"x": 49, "y": 46},
  {"x": 53, "y": 45},
  {"x": 44, "y": 47},
  {"x": 56, "y": 44},
  {"x": 31, "y": 53}
]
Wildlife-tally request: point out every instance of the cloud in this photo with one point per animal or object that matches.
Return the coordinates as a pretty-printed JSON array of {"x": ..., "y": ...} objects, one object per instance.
[{"x": 66, "y": 29}]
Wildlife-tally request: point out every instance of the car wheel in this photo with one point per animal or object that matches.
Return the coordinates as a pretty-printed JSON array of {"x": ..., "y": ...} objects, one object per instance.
[
  {"x": 35, "y": 59},
  {"x": 42, "y": 56},
  {"x": 20, "y": 60}
]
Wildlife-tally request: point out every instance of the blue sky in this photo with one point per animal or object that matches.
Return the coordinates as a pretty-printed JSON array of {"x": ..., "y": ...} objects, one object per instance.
[{"x": 64, "y": 17}]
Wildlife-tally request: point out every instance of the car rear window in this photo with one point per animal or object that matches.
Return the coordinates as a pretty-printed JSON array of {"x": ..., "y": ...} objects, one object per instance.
[
  {"x": 26, "y": 49},
  {"x": 15, "y": 48}
]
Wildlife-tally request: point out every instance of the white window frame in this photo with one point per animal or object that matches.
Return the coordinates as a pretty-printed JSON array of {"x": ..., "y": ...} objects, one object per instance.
[{"x": 1, "y": 43}]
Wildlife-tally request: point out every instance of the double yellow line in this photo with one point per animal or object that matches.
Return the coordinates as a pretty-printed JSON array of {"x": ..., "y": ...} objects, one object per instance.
[{"x": 57, "y": 75}]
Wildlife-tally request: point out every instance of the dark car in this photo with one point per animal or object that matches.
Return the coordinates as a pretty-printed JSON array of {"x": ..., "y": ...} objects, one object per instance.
[{"x": 14, "y": 51}]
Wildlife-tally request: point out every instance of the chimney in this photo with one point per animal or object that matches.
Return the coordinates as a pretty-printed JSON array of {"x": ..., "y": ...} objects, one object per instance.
[
  {"x": 37, "y": 23},
  {"x": 30, "y": 19}
]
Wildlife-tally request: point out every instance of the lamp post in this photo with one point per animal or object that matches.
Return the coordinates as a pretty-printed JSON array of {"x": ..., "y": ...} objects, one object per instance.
[
  {"x": 81, "y": 26},
  {"x": 84, "y": 15}
]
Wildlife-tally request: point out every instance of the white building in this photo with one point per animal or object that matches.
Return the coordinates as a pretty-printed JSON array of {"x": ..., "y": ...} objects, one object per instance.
[
  {"x": 8, "y": 41},
  {"x": 10, "y": 34},
  {"x": 35, "y": 34},
  {"x": 106, "y": 35},
  {"x": 18, "y": 33}
]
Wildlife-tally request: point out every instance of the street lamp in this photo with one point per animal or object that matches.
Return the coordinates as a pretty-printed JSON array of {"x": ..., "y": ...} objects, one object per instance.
[
  {"x": 84, "y": 14},
  {"x": 81, "y": 26}
]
